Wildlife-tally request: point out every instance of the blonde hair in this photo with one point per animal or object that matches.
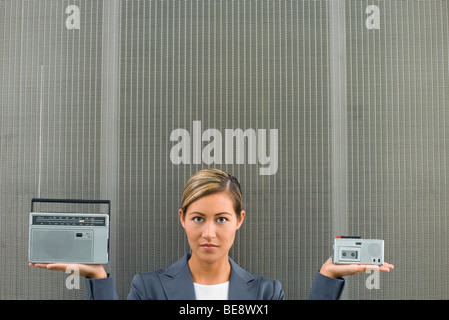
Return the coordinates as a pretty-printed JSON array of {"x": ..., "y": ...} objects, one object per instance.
[{"x": 209, "y": 181}]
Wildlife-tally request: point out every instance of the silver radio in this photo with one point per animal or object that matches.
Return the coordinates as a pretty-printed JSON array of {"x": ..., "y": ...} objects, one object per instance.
[
  {"x": 359, "y": 251},
  {"x": 69, "y": 237}
]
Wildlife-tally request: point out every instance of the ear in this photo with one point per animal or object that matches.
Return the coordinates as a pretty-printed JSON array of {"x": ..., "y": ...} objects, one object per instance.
[
  {"x": 242, "y": 217},
  {"x": 181, "y": 218}
]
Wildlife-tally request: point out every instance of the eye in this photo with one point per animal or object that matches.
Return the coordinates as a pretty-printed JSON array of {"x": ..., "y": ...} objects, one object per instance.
[
  {"x": 197, "y": 219},
  {"x": 222, "y": 219}
]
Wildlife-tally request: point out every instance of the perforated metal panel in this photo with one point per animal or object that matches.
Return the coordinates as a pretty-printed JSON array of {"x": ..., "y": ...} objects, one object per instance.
[{"x": 397, "y": 157}]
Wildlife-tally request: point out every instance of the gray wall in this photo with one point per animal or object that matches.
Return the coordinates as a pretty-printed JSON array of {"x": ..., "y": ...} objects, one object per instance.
[{"x": 88, "y": 111}]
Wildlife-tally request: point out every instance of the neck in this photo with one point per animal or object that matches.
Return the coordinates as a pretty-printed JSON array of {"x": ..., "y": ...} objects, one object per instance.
[{"x": 209, "y": 272}]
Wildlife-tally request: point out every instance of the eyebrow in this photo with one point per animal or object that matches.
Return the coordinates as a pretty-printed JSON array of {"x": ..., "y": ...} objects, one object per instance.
[{"x": 216, "y": 214}]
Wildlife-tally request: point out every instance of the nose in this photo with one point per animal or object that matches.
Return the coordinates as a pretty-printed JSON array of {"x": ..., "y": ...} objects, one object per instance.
[{"x": 209, "y": 230}]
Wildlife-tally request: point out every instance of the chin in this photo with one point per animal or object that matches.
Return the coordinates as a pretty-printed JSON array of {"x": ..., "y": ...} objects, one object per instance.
[{"x": 210, "y": 257}]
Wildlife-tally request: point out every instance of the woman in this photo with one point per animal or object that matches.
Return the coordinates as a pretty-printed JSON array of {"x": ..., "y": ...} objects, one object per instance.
[{"x": 211, "y": 213}]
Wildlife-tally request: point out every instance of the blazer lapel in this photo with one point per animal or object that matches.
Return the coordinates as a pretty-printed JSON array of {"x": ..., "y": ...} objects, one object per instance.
[
  {"x": 177, "y": 281},
  {"x": 242, "y": 284}
]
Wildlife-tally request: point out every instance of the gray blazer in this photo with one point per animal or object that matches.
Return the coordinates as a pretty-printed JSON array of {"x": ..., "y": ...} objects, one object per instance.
[{"x": 175, "y": 283}]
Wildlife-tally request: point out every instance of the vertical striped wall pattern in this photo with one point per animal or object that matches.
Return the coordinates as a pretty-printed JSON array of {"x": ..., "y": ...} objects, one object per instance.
[
  {"x": 397, "y": 88},
  {"x": 49, "y": 127},
  {"x": 360, "y": 115},
  {"x": 257, "y": 65}
]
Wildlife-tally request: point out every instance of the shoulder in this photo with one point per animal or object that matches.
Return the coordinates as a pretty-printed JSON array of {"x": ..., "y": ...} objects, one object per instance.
[
  {"x": 146, "y": 286},
  {"x": 270, "y": 289},
  {"x": 163, "y": 283},
  {"x": 248, "y": 285}
]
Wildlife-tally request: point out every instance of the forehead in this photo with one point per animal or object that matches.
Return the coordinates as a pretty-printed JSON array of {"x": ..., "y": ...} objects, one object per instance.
[{"x": 212, "y": 204}]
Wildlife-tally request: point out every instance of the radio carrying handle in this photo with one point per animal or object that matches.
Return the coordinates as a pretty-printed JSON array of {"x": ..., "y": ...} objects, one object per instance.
[{"x": 108, "y": 202}]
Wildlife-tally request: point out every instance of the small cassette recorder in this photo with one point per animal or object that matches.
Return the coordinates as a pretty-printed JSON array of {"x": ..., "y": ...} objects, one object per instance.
[
  {"x": 359, "y": 251},
  {"x": 68, "y": 237}
]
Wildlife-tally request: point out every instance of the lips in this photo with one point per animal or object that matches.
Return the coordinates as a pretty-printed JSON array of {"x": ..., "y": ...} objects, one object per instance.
[{"x": 208, "y": 246}]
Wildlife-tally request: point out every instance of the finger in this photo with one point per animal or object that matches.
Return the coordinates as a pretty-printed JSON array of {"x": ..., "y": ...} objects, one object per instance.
[
  {"x": 38, "y": 265},
  {"x": 58, "y": 266},
  {"x": 386, "y": 267}
]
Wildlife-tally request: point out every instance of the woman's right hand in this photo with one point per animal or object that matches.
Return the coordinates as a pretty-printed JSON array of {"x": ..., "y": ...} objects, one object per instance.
[{"x": 92, "y": 271}]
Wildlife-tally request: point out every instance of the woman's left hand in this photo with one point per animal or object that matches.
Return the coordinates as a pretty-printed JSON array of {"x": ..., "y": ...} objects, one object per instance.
[{"x": 332, "y": 270}]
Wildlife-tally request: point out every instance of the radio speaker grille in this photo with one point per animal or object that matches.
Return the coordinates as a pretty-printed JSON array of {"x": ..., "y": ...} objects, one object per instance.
[{"x": 58, "y": 245}]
